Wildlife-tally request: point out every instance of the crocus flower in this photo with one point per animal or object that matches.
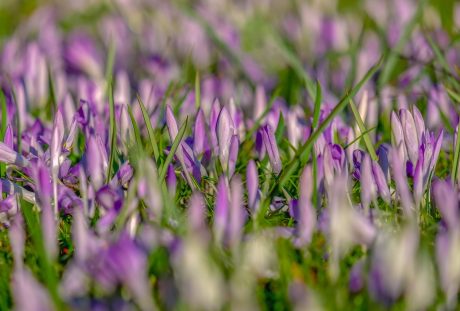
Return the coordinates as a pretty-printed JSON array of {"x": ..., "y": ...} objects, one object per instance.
[
  {"x": 306, "y": 213},
  {"x": 368, "y": 187},
  {"x": 225, "y": 132},
  {"x": 346, "y": 225},
  {"x": 200, "y": 141},
  {"x": 272, "y": 148},
  {"x": 400, "y": 179},
  {"x": 237, "y": 213},
  {"x": 221, "y": 209},
  {"x": 48, "y": 216},
  {"x": 252, "y": 183},
  {"x": 394, "y": 254},
  {"x": 334, "y": 162},
  {"x": 233, "y": 154},
  {"x": 197, "y": 216},
  {"x": 55, "y": 153},
  {"x": 9, "y": 156}
]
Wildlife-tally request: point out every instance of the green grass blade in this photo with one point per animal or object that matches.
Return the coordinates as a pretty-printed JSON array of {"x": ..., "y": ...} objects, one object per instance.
[
  {"x": 137, "y": 133},
  {"x": 46, "y": 269},
  {"x": 197, "y": 90},
  {"x": 359, "y": 137},
  {"x": 110, "y": 64},
  {"x": 113, "y": 133},
  {"x": 364, "y": 132},
  {"x": 173, "y": 150},
  {"x": 317, "y": 108},
  {"x": 18, "y": 121},
  {"x": 153, "y": 142},
  {"x": 452, "y": 94},
  {"x": 455, "y": 163}
]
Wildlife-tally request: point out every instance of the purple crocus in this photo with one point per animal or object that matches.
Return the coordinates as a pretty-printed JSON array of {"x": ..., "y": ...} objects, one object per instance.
[
  {"x": 233, "y": 154},
  {"x": 9, "y": 156},
  {"x": 272, "y": 148},
  {"x": 237, "y": 213},
  {"x": 225, "y": 132},
  {"x": 200, "y": 140},
  {"x": 306, "y": 212},
  {"x": 368, "y": 186},
  {"x": 221, "y": 209},
  {"x": 252, "y": 183}
]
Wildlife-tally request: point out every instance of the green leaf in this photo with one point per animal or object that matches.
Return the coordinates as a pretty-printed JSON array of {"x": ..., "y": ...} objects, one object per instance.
[
  {"x": 46, "y": 269},
  {"x": 317, "y": 108},
  {"x": 455, "y": 163},
  {"x": 153, "y": 142},
  {"x": 137, "y": 134},
  {"x": 365, "y": 133},
  {"x": 173, "y": 150},
  {"x": 197, "y": 90},
  {"x": 113, "y": 134}
]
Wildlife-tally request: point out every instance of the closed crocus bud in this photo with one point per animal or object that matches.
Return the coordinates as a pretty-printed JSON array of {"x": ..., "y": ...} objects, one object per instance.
[
  {"x": 28, "y": 293},
  {"x": 68, "y": 108},
  {"x": 214, "y": 116},
  {"x": 57, "y": 138},
  {"x": 221, "y": 209},
  {"x": 381, "y": 182},
  {"x": 94, "y": 163},
  {"x": 252, "y": 183},
  {"x": 347, "y": 226},
  {"x": 397, "y": 134},
  {"x": 85, "y": 243},
  {"x": 271, "y": 148},
  {"x": 233, "y": 154},
  {"x": 334, "y": 161},
  {"x": 358, "y": 156},
  {"x": 9, "y": 137},
  {"x": 368, "y": 189},
  {"x": 171, "y": 123},
  {"x": 10, "y": 188},
  {"x": 9, "y": 156},
  {"x": 382, "y": 153},
  {"x": 171, "y": 180},
  {"x": 237, "y": 213},
  {"x": 225, "y": 132},
  {"x": 447, "y": 254},
  {"x": 398, "y": 172},
  {"x": 418, "y": 180},
  {"x": 17, "y": 240},
  {"x": 436, "y": 150},
  {"x": 419, "y": 123},
  {"x": 48, "y": 216},
  {"x": 410, "y": 135},
  {"x": 197, "y": 214},
  {"x": 200, "y": 140},
  {"x": 71, "y": 136},
  {"x": 307, "y": 216},
  {"x": 260, "y": 102},
  {"x": 446, "y": 198}
]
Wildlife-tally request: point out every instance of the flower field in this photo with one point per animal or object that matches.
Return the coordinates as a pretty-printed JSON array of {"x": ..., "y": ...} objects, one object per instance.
[{"x": 229, "y": 155}]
